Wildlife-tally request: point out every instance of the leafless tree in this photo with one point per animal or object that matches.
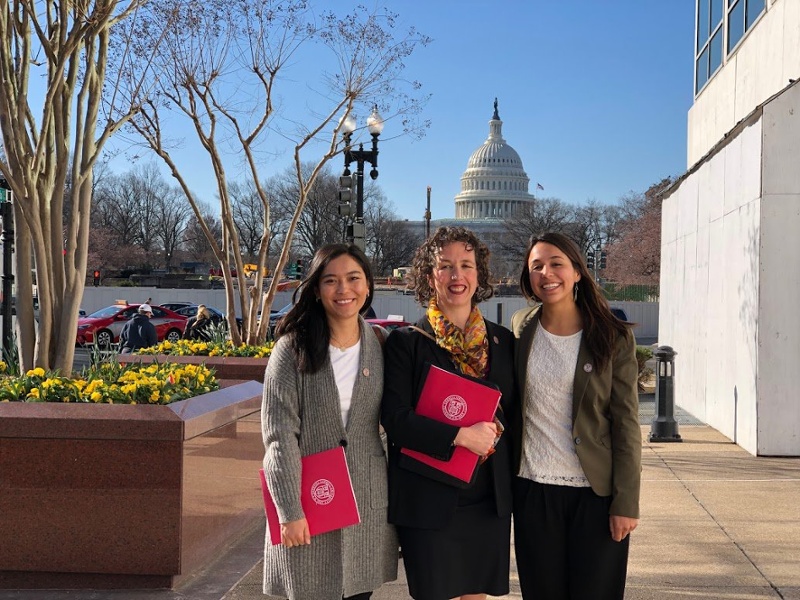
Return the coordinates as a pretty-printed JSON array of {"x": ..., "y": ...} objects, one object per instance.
[
  {"x": 390, "y": 241},
  {"x": 249, "y": 217},
  {"x": 319, "y": 222},
  {"x": 218, "y": 71},
  {"x": 545, "y": 214},
  {"x": 75, "y": 51},
  {"x": 195, "y": 243}
]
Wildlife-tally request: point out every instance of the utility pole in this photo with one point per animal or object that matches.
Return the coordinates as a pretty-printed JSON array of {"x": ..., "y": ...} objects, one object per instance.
[{"x": 428, "y": 215}]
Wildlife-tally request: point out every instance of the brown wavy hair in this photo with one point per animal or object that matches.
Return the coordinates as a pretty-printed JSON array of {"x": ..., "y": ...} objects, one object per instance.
[
  {"x": 600, "y": 327},
  {"x": 425, "y": 259}
]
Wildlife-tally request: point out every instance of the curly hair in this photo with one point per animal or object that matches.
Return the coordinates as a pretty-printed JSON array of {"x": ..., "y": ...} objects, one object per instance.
[{"x": 425, "y": 260}]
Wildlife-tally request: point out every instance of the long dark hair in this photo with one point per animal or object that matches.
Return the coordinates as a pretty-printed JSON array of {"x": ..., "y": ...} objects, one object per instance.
[
  {"x": 306, "y": 319},
  {"x": 600, "y": 327},
  {"x": 425, "y": 260}
]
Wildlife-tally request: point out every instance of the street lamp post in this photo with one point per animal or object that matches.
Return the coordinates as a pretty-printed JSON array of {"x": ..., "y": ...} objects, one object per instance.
[
  {"x": 356, "y": 232},
  {"x": 7, "y": 215}
]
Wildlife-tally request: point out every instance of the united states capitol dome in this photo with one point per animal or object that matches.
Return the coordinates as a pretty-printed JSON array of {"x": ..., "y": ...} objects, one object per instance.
[{"x": 495, "y": 185}]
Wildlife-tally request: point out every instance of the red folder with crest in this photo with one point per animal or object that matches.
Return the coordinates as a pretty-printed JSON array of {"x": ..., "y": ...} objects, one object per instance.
[
  {"x": 457, "y": 400},
  {"x": 326, "y": 495}
]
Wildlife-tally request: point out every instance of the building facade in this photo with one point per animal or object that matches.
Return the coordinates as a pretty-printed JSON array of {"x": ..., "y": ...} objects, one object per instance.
[{"x": 730, "y": 253}]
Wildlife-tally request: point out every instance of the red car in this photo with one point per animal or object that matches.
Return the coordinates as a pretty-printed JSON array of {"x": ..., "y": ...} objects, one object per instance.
[{"x": 105, "y": 325}]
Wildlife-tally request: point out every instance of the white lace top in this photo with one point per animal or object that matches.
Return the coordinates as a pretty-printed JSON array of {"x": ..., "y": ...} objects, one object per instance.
[{"x": 548, "y": 452}]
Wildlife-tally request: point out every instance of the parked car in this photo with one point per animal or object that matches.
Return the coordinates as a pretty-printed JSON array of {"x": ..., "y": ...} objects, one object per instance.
[
  {"x": 619, "y": 313},
  {"x": 276, "y": 316},
  {"x": 190, "y": 311},
  {"x": 176, "y": 305},
  {"x": 217, "y": 316},
  {"x": 105, "y": 325},
  {"x": 389, "y": 324}
]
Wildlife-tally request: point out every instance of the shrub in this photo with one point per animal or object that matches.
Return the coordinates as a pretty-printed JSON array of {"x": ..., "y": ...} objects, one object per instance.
[{"x": 643, "y": 354}]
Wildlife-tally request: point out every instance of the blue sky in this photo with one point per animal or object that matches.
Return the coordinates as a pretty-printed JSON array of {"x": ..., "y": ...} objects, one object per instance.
[{"x": 593, "y": 96}]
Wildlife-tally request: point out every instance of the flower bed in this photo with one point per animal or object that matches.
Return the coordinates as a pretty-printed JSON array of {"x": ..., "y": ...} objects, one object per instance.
[
  {"x": 125, "y": 495},
  {"x": 111, "y": 383},
  {"x": 211, "y": 348}
]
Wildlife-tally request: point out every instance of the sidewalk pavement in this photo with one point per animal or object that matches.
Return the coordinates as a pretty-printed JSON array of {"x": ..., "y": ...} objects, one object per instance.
[{"x": 716, "y": 523}]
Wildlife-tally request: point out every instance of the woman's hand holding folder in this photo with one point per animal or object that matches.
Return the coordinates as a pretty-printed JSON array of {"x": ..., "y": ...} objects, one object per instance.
[
  {"x": 295, "y": 533},
  {"x": 478, "y": 438}
]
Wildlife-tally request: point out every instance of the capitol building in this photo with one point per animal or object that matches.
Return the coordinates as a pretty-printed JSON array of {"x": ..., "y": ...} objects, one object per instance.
[
  {"x": 495, "y": 185},
  {"x": 494, "y": 188}
]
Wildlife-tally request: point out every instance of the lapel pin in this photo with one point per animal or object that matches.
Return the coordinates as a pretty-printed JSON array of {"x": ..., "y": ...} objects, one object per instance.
[
  {"x": 496, "y": 341},
  {"x": 365, "y": 371},
  {"x": 587, "y": 367}
]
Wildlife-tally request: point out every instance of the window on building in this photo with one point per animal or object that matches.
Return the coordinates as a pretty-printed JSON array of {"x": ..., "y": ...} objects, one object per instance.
[
  {"x": 741, "y": 16},
  {"x": 708, "y": 48}
]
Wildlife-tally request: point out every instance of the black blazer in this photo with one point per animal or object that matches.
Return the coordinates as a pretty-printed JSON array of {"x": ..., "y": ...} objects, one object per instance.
[{"x": 416, "y": 500}]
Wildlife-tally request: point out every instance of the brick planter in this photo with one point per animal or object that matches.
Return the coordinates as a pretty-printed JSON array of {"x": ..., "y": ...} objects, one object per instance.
[
  {"x": 126, "y": 496},
  {"x": 240, "y": 368}
]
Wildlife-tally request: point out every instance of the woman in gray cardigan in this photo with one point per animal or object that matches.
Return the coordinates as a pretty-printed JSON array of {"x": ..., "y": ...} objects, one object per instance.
[{"x": 323, "y": 389}]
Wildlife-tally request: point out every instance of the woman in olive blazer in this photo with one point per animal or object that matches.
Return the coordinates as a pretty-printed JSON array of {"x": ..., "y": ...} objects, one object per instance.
[{"x": 578, "y": 440}]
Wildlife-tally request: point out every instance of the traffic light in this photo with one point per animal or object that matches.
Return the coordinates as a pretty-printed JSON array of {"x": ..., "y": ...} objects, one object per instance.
[
  {"x": 96, "y": 278},
  {"x": 300, "y": 268},
  {"x": 602, "y": 259},
  {"x": 345, "y": 207},
  {"x": 590, "y": 260}
]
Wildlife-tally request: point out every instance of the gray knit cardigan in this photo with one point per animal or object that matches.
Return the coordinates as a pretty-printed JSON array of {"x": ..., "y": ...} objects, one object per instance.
[{"x": 301, "y": 415}]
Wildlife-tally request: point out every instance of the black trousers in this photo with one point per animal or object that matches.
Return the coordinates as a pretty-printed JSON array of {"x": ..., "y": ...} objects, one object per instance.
[
  {"x": 364, "y": 596},
  {"x": 563, "y": 544}
]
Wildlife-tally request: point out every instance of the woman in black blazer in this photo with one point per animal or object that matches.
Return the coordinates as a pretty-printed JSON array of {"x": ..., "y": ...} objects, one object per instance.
[{"x": 455, "y": 540}]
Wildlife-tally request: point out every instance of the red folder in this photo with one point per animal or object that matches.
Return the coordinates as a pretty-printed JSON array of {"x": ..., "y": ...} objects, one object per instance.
[
  {"x": 326, "y": 495},
  {"x": 457, "y": 400}
]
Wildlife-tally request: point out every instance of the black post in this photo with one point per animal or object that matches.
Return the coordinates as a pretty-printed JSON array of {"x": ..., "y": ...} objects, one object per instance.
[
  {"x": 359, "y": 194},
  {"x": 664, "y": 427},
  {"x": 428, "y": 215},
  {"x": 499, "y": 320},
  {"x": 8, "y": 272}
]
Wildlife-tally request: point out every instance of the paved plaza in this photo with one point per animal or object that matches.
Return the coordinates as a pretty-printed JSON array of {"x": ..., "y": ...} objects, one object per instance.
[{"x": 717, "y": 524}]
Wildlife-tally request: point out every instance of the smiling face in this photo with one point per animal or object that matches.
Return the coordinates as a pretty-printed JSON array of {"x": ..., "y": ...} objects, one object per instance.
[
  {"x": 455, "y": 278},
  {"x": 343, "y": 288},
  {"x": 553, "y": 277}
]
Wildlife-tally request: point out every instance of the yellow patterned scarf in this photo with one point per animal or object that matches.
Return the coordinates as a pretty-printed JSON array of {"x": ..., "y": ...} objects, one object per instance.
[{"x": 469, "y": 349}]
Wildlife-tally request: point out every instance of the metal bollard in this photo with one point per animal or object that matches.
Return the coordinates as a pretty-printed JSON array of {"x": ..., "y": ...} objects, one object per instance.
[
  {"x": 665, "y": 427},
  {"x": 499, "y": 320}
]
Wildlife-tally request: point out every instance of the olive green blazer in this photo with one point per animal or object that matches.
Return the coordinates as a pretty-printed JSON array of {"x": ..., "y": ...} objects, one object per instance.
[{"x": 605, "y": 415}]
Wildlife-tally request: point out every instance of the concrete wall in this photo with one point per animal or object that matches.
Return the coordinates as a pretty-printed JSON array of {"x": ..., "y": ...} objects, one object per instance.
[
  {"x": 729, "y": 285},
  {"x": 384, "y": 303},
  {"x": 779, "y": 289},
  {"x": 762, "y": 65}
]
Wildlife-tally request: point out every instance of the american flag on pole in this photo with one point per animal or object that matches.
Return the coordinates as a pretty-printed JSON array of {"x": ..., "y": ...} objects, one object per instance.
[{"x": 539, "y": 186}]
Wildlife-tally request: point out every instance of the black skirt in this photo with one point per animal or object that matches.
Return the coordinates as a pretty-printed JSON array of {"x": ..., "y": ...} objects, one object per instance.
[{"x": 469, "y": 556}]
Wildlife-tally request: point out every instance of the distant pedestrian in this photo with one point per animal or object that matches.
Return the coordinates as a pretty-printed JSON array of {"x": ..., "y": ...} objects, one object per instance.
[
  {"x": 139, "y": 332},
  {"x": 198, "y": 327},
  {"x": 578, "y": 440}
]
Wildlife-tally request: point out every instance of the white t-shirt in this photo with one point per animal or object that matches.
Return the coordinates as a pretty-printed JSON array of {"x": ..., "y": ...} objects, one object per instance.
[{"x": 345, "y": 365}]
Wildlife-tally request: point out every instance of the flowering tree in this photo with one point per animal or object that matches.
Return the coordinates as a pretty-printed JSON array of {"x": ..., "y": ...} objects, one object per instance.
[
  {"x": 60, "y": 102},
  {"x": 635, "y": 257},
  {"x": 219, "y": 71}
]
